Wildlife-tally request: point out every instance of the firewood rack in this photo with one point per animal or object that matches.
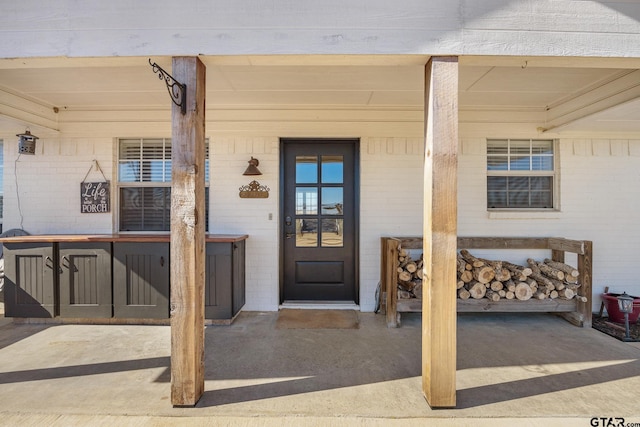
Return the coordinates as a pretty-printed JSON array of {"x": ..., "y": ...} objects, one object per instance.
[{"x": 576, "y": 311}]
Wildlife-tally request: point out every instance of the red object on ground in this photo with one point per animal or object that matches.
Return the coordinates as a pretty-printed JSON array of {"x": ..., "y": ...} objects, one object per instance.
[{"x": 615, "y": 315}]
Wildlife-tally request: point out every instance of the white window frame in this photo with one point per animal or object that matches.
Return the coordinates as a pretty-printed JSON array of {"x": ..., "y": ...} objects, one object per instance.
[
  {"x": 163, "y": 182},
  {"x": 554, "y": 174}
]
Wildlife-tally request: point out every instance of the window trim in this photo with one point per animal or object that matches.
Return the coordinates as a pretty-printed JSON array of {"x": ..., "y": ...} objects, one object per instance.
[
  {"x": 166, "y": 183},
  {"x": 525, "y": 212}
]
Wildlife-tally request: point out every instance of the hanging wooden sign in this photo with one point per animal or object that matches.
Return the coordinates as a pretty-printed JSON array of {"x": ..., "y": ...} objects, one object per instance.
[{"x": 94, "y": 197}]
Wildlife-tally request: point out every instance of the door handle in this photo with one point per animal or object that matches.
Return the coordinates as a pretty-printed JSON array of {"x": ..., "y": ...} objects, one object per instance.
[
  {"x": 48, "y": 262},
  {"x": 68, "y": 265},
  {"x": 288, "y": 227}
]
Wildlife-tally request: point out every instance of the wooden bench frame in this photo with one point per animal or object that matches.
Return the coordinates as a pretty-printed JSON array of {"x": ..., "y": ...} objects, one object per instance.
[{"x": 576, "y": 312}]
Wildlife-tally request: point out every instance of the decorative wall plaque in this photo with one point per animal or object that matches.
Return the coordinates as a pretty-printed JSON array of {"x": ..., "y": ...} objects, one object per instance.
[
  {"x": 94, "y": 197},
  {"x": 254, "y": 190}
]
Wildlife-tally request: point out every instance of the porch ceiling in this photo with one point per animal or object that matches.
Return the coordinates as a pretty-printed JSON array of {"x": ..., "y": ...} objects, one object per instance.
[{"x": 601, "y": 96}]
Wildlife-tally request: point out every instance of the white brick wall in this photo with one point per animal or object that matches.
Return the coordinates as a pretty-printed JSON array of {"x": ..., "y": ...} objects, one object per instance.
[
  {"x": 391, "y": 170},
  {"x": 231, "y": 214},
  {"x": 47, "y": 196},
  {"x": 599, "y": 181},
  {"x": 390, "y": 202}
]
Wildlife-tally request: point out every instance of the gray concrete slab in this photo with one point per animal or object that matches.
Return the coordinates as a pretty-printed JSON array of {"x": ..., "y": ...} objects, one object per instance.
[{"x": 513, "y": 369}]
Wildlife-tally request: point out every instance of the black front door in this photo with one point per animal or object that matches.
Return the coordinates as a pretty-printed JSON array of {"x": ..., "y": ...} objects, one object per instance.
[{"x": 319, "y": 220}]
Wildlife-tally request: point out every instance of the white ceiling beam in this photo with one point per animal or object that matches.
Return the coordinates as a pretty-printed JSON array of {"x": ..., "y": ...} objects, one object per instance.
[
  {"x": 548, "y": 62},
  {"x": 26, "y": 111},
  {"x": 323, "y": 60},
  {"x": 610, "y": 94},
  {"x": 221, "y": 60}
]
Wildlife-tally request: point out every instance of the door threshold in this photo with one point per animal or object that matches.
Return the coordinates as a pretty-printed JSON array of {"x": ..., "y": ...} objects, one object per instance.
[{"x": 320, "y": 305}]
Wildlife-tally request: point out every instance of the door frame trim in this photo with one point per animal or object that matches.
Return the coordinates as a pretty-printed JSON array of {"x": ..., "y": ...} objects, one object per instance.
[{"x": 356, "y": 194}]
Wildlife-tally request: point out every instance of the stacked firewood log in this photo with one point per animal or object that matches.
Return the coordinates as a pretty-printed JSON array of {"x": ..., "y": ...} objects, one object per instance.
[
  {"x": 409, "y": 275},
  {"x": 480, "y": 278},
  {"x": 495, "y": 280}
]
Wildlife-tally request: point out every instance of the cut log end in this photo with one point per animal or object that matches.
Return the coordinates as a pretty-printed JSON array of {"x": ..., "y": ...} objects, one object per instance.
[
  {"x": 523, "y": 291},
  {"x": 477, "y": 290},
  {"x": 494, "y": 280}
]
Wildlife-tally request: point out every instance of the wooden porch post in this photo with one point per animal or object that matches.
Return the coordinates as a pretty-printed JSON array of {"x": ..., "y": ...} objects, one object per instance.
[
  {"x": 440, "y": 232},
  {"x": 187, "y": 236}
]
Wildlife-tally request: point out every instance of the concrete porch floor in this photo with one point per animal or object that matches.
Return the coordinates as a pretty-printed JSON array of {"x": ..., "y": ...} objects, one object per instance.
[{"x": 513, "y": 369}]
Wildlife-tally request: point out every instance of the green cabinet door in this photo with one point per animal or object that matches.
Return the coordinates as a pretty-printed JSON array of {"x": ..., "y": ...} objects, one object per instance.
[
  {"x": 141, "y": 280},
  {"x": 29, "y": 279},
  {"x": 85, "y": 280},
  {"x": 224, "y": 280},
  {"x": 218, "y": 277}
]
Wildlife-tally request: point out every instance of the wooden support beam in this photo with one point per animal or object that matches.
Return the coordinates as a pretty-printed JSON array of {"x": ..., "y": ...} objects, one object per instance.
[
  {"x": 440, "y": 232},
  {"x": 187, "y": 235},
  {"x": 503, "y": 243},
  {"x": 567, "y": 245},
  {"x": 391, "y": 281},
  {"x": 585, "y": 267}
]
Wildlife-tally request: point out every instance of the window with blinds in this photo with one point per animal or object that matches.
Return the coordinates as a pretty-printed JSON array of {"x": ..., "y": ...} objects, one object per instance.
[
  {"x": 144, "y": 184},
  {"x": 520, "y": 174}
]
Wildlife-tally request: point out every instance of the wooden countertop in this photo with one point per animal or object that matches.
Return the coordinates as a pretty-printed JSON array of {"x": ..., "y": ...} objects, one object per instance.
[{"x": 142, "y": 238}]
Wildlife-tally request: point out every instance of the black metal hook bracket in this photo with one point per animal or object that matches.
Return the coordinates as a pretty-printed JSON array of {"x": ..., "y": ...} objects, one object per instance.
[{"x": 177, "y": 90}]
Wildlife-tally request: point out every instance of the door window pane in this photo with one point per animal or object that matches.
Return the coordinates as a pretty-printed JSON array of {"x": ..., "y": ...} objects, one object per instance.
[
  {"x": 332, "y": 170},
  {"x": 332, "y": 200},
  {"x": 332, "y": 232},
  {"x": 306, "y": 201},
  {"x": 306, "y": 169},
  {"x": 306, "y": 233}
]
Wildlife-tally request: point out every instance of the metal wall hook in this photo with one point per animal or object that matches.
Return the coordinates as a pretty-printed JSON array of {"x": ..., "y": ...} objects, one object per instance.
[{"x": 177, "y": 90}]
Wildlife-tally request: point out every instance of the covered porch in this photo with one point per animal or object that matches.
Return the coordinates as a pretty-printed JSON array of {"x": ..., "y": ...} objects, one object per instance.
[
  {"x": 512, "y": 369},
  {"x": 383, "y": 100}
]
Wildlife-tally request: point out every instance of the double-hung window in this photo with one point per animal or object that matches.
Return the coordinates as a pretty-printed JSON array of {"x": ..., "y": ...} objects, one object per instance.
[
  {"x": 521, "y": 174},
  {"x": 144, "y": 184}
]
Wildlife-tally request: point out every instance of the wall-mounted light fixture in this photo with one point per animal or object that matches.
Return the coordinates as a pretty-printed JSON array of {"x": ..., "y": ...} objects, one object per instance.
[
  {"x": 27, "y": 143},
  {"x": 252, "y": 169}
]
